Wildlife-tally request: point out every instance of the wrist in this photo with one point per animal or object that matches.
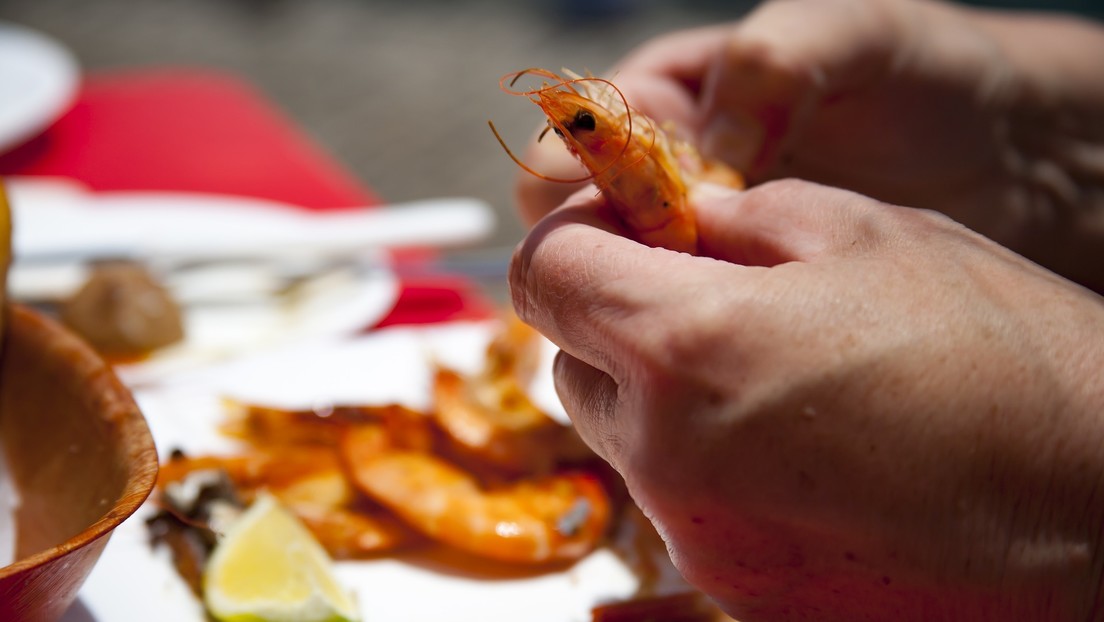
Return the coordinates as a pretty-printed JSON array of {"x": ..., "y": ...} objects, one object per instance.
[{"x": 1057, "y": 536}]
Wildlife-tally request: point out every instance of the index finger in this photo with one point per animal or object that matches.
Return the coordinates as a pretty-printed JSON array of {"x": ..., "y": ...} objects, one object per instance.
[
  {"x": 588, "y": 288},
  {"x": 606, "y": 299}
]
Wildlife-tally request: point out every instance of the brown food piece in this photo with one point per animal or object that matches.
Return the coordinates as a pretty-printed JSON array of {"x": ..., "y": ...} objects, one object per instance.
[
  {"x": 182, "y": 523},
  {"x": 123, "y": 311}
]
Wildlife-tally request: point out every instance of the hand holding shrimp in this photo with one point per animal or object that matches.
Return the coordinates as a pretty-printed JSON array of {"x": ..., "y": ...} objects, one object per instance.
[
  {"x": 990, "y": 117},
  {"x": 854, "y": 411},
  {"x": 811, "y": 446}
]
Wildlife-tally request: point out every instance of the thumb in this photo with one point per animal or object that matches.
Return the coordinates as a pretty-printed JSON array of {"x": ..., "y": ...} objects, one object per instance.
[{"x": 776, "y": 68}]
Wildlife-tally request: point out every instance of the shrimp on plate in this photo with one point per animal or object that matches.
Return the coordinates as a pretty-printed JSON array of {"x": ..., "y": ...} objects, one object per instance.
[
  {"x": 309, "y": 480},
  {"x": 264, "y": 426},
  {"x": 555, "y": 518},
  {"x": 643, "y": 172},
  {"x": 489, "y": 416},
  {"x": 495, "y": 423}
]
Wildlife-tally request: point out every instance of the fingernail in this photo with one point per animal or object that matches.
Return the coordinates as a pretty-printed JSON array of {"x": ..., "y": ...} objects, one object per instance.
[{"x": 734, "y": 139}]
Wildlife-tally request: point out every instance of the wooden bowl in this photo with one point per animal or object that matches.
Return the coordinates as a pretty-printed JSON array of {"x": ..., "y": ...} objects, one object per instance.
[{"x": 81, "y": 457}]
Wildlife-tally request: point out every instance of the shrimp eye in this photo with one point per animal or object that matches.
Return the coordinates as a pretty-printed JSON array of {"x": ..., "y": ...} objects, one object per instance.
[{"x": 584, "y": 120}]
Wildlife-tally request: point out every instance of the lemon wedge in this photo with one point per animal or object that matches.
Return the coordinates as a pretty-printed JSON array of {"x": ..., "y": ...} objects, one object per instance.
[{"x": 269, "y": 568}]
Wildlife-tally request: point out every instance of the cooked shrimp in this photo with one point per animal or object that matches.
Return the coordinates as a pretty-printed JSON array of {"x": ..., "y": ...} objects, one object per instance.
[
  {"x": 347, "y": 533},
  {"x": 556, "y": 518},
  {"x": 311, "y": 482},
  {"x": 265, "y": 426},
  {"x": 277, "y": 469},
  {"x": 640, "y": 169},
  {"x": 514, "y": 350},
  {"x": 495, "y": 422},
  {"x": 490, "y": 417}
]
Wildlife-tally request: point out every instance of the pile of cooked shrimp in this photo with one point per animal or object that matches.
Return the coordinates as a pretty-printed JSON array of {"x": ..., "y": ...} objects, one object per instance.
[{"x": 484, "y": 471}]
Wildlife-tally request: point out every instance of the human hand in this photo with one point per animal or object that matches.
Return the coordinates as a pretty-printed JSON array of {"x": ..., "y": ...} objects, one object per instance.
[
  {"x": 844, "y": 410},
  {"x": 994, "y": 119}
]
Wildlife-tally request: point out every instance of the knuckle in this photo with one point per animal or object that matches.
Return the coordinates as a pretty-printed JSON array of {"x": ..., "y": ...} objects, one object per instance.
[
  {"x": 773, "y": 190},
  {"x": 538, "y": 272},
  {"x": 680, "y": 351},
  {"x": 788, "y": 194},
  {"x": 611, "y": 446}
]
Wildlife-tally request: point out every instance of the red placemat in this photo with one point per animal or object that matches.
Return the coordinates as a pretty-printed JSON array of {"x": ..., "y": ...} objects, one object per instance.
[{"x": 198, "y": 130}]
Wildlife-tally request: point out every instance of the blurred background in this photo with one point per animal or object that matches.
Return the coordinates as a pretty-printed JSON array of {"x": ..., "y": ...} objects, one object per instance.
[{"x": 399, "y": 91}]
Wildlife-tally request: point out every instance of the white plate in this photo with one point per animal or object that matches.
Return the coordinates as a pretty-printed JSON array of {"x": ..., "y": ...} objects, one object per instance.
[
  {"x": 133, "y": 582},
  {"x": 38, "y": 81}
]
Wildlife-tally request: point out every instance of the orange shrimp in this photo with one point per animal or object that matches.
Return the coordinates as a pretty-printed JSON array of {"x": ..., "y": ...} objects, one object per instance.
[
  {"x": 354, "y": 533},
  {"x": 265, "y": 426},
  {"x": 544, "y": 520},
  {"x": 514, "y": 351},
  {"x": 277, "y": 469},
  {"x": 640, "y": 169},
  {"x": 311, "y": 482},
  {"x": 489, "y": 416},
  {"x": 495, "y": 422}
]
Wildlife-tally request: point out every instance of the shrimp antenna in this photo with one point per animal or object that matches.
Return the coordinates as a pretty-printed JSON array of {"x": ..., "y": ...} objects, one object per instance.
[
  {"x": 507, "y": 82},
  {"x": 531, "y": 170}
]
